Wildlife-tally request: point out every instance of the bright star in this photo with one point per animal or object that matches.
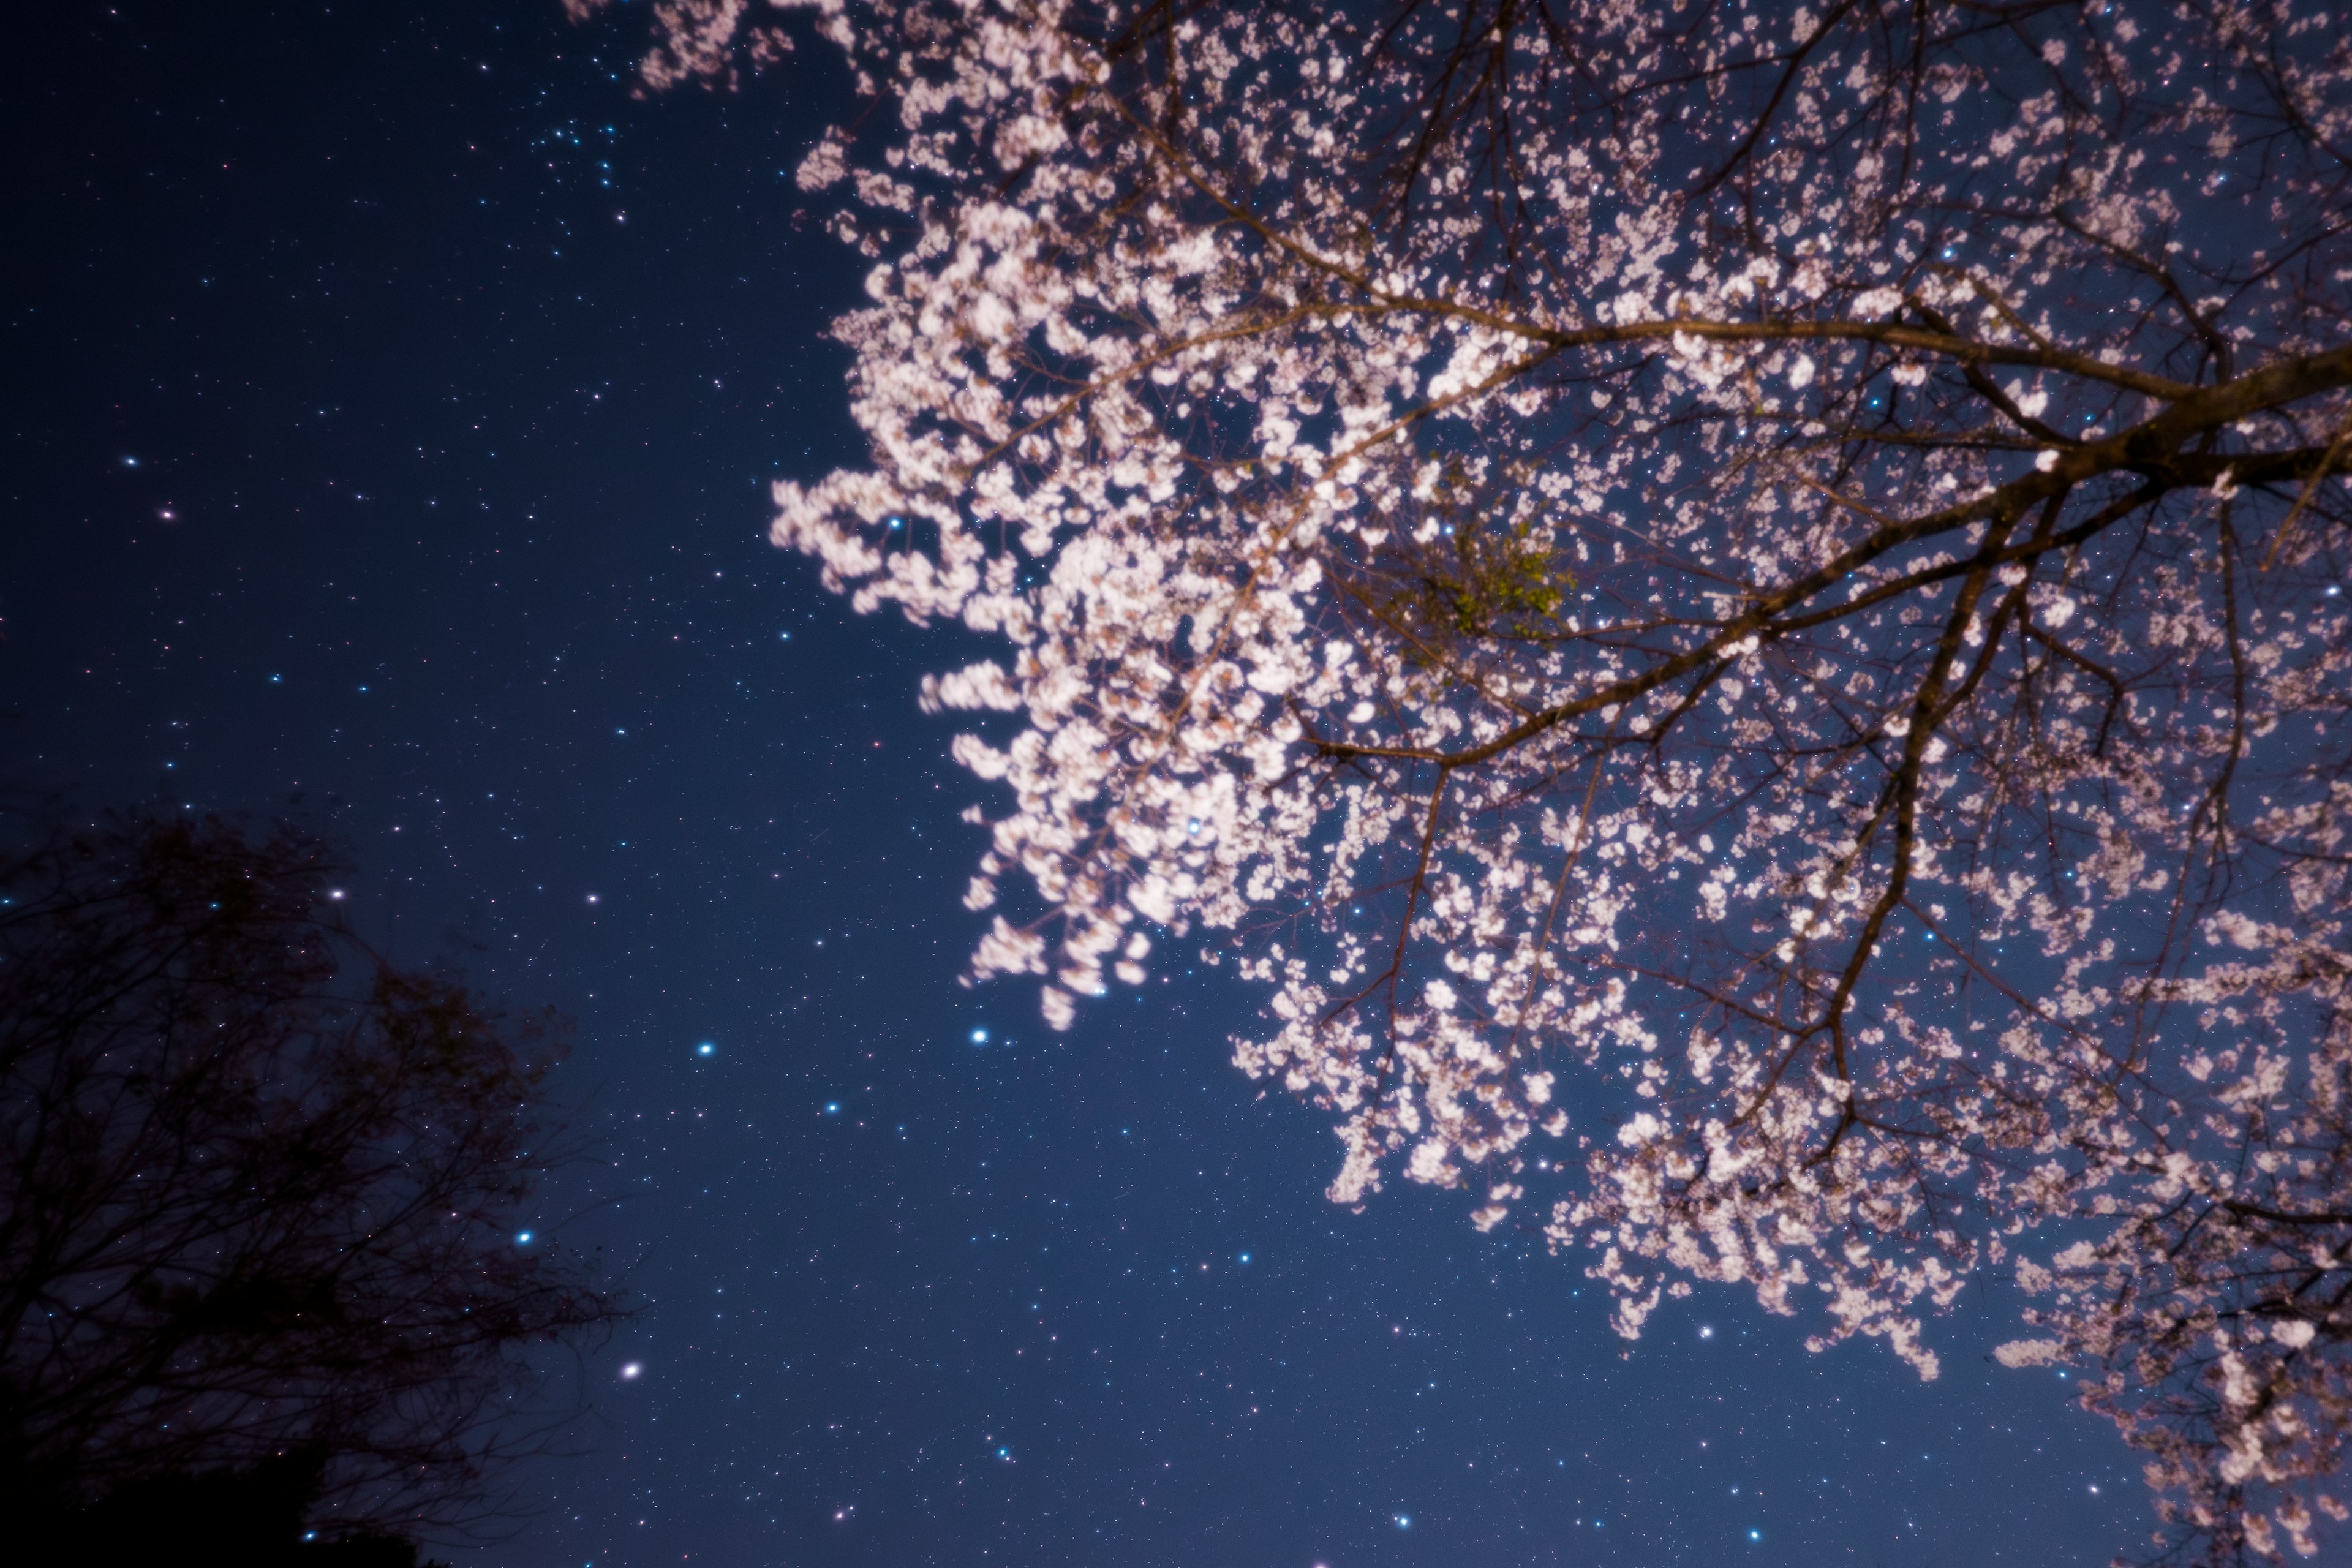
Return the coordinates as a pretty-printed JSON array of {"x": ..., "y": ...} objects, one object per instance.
[
  {"x": 631, "y": 1371},
  {"x": 980, "y": 1037},
  {"x": 705, "y": 1049},
  {"x": 522, "y": 1237}
]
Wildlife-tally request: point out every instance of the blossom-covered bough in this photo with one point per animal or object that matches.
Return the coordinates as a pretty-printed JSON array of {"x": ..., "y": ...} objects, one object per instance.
[{"x": 1733, "y": 606}]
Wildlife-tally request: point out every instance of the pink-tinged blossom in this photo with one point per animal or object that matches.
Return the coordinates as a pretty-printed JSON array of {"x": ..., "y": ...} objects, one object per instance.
[{"x": 1738, "y": 627}]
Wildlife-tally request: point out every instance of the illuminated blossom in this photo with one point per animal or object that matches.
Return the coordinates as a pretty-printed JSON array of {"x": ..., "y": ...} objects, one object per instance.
[{"x": 1732, "y": 610}]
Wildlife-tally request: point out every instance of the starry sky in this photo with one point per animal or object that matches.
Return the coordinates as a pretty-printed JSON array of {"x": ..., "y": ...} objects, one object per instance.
[{"x": 391, "y": 400}]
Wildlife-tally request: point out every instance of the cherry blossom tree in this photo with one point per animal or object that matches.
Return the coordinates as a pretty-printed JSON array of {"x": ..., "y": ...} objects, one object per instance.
[{"x": 1732, "y": 608}]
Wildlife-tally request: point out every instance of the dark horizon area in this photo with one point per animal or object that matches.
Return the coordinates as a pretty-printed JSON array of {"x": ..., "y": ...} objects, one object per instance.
[{"x": 395, "y": 397}]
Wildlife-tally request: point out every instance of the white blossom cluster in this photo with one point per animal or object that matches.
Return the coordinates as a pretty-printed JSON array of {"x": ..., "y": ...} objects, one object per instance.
[{"x": 1733, "y": 606}]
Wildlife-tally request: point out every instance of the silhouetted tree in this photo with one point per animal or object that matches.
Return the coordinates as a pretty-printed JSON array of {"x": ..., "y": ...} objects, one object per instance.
[
  {"x": 257, "y": 1196},
  {"x": 254, "y": 1517}
]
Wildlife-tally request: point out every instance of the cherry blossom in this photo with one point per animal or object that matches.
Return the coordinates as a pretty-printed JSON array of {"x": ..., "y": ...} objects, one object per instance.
[{"x": 1732, "y": 609}]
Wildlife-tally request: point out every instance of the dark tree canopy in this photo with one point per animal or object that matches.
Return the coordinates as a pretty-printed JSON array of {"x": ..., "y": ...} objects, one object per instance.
[{"x": 259, "y": 1189}]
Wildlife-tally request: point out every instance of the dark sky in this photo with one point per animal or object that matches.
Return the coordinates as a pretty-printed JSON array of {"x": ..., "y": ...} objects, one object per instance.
[{"x": 390, "y": 399}]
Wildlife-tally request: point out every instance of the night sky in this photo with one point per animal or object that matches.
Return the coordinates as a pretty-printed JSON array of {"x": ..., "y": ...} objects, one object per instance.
[{"x": 391, "y": 400}]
